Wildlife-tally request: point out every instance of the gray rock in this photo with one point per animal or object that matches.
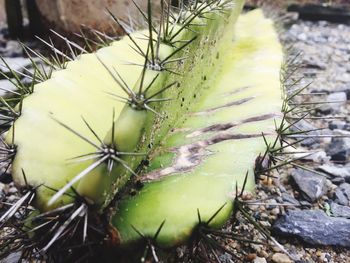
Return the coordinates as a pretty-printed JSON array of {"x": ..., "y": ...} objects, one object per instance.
[
  {"x": 317, "y": 157},
  {"x": 347, "y": 91},
  {"x": 13, "y": 49},
  {"x": 305, "y": 204},
  {"x": 339, "y": 149},
  {"x": 336, "y": 171},
  {"x": 335, "y": 102},
  {"x": 339, "y": 125},
  {"x": 340, "y": 197},
  {"x": 311, "y": 186},
  {"x": 340, "y": 210},
  {"x": 17, "y": 64},
  {"x": 290, "y": 199},
  {"x": 6, "y": 87},
  {"x": 14, "y": 257},
  {"x": 314, "y": 62},
  {"x": 346, "y": 189},
  {"x": 304, "y": 125},
  {"x": 342, "y": 194},
  {"x": 337, "y": 180},
  {"x": 259, "y": 260},
  {"x": 314, "y": 227}
]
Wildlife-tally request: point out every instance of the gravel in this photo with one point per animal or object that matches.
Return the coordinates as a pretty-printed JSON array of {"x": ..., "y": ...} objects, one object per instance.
[{"x": 325, "y": 64}]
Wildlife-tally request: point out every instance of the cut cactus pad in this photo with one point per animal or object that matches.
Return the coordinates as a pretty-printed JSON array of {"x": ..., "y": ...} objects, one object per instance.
[
  {"x": 156, "y": 132},
  {"x": 211, "y": 148}
]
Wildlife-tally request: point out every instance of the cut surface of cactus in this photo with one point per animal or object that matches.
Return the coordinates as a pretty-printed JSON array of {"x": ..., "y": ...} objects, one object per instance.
[
  {"x": 69, "y": 115},
  {"x": 211, "y": 148},
  {"x": 184, "y": 107}
]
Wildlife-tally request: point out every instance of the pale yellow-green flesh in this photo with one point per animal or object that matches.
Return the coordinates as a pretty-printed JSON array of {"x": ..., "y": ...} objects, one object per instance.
[
  {"x": 44, "y": 147},
  {"x": 82, "y": 90},
  {"x": 252, "y": 60}
]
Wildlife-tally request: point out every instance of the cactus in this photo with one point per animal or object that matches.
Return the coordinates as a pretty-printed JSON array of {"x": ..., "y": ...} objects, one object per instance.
[
  {"x": 214, "y": 144},
  {"x": 164, "y": 126}
]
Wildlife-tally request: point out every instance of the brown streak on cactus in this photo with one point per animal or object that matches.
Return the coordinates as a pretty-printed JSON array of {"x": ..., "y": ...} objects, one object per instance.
[
  {"x": 190, "y": 156},
  {"x": 227, "y": 126},
  {"x": 230, "y": 104}
]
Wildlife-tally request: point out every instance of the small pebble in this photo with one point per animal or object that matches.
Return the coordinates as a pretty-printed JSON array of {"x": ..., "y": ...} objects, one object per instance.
[
  {"x": 259, "y": 260},
  {"x": 275, "y": 211},
  {"x": 281, "y": 258}
]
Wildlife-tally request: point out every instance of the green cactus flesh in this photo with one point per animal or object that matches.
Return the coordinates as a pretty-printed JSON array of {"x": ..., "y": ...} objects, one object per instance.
[
  {"x": 210, "y": 149},
  {"x": 54, "y": 127},
  {"x": 194, "y": 101}
]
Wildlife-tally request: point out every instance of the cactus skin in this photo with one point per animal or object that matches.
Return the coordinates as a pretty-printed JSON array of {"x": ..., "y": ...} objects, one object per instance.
[
  {"x": 78, "y": 91},
  {"x": 207, "y": 154},
  {"x": 75, "y": 101},
  {"x": 199, "y": 144}
]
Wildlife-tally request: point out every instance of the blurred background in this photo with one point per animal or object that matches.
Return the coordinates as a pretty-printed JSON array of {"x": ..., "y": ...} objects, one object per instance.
[{"x": 35, "y": 17}]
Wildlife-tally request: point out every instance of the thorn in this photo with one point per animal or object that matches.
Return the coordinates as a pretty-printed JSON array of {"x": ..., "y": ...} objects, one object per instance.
[
  {"x": 161, "y": 91},
  {"x": 92, "y": 131},
  {"x": 158, "y": 230},
  {"x": 51, "y": 212},
  {"x": 317, "y": 136},
  {"x": 14, "y": 208},
  {"x": 244, "y": 184},
  {"x": 119, "y": 81},
  {"x": 126, "y": 32},
  {"x": 137, "y": 231},
  {"x": 77, "y": 134},
  {"x": 81, "y": 210},
  {"x": 85, "y": 227},
  {"x": 316, "y": 103},
  {"x": 215, "y": 214},
  {"x": 179, "y": 49},
  {"x": 319, "y": 118},
  {"x": 81, "y": 175},
  {"x": 53, "y": 48},
  {"x": 199, "y": 217},
  {"x": 68, "y": 41}
]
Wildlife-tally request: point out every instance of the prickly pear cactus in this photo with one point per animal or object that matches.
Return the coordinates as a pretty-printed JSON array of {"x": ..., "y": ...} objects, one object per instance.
[{"x": 162, "y": 128}]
